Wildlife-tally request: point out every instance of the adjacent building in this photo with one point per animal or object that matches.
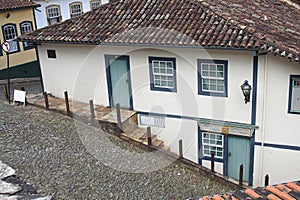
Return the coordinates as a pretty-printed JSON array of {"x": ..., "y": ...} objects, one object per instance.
[
  {"x": 55, "y": 11},
  {"x": 180, "y": 65},
  {"x": 17, "y": 18}
]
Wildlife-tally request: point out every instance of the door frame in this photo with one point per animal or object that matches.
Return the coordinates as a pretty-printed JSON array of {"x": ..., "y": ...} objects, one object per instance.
[{"x": 107, "y": 57}]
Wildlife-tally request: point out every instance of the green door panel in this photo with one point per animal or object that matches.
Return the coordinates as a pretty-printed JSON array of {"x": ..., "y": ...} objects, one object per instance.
[
  {"x": 238, "y": 153},
  {"x": 119, "y": 78}
]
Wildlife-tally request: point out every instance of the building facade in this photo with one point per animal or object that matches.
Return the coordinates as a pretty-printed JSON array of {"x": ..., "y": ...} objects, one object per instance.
[
  {"x": 17, "y": 18},
  {"x": 55, "y": 11},
  {"x": 183, "y": 77}
]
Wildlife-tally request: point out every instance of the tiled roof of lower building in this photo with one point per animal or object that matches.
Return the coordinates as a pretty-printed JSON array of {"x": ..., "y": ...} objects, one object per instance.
[
  {"x": 16, "y": 4},
  {"x": 290, "y": 191},
  {"x": 238, "y": 24}
]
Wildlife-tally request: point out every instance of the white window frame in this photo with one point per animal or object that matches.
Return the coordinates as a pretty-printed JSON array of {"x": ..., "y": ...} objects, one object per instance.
[
  {"x": 210, "y": 144},
  {"x": 9, "y": 34},
  {"x": 26, "y": 27},
  {"x": 294, "y": 97},
  {"x": 95, "y": 4},
  {"x": 163, "y": 74},
  {"x": 75, "y": 9},
  {"x": 53, "y": 17}
]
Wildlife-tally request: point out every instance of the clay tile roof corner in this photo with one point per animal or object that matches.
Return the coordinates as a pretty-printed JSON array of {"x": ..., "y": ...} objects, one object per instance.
[
  {"x": 16, "y": 4},
  {"x": 290, "y": 190},
  {"x": 234, "y": 24}
]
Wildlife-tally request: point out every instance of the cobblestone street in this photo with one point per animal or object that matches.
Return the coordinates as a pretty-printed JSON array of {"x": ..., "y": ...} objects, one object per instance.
[{"x": 49, "y": 151}]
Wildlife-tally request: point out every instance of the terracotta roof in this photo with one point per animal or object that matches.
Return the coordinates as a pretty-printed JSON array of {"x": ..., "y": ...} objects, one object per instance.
[
  {"x": 290, "y": 190},
  {"x": 246, "y": 24},
  {"x": 16, "y": 4}
]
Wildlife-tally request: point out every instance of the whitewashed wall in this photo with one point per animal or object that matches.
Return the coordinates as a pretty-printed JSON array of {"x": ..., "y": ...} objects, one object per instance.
[
  {"x": 276, "y": 125},
  {"x": 41, "y": 15},
  {"x": 82, "y": 66}
]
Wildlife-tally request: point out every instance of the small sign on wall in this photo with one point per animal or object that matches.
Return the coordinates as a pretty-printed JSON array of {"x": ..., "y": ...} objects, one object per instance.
[{"x": 20, "y": 96}]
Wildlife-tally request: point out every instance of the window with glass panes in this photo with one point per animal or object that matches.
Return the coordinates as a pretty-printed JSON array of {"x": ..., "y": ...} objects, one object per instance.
[
  {"x": 212, "y": 143},
  {"x": 75, "y": 9},
  {"x": 53, "y": 14},
  {"x": 10, "y": 33},
  {"x": 213, "y": 77},
  {"x": 162, "y": 73},
  {"x": 294, "y": 98},
  {"x": 26, "y": 27},
  {"x": 95, "y": 4}
]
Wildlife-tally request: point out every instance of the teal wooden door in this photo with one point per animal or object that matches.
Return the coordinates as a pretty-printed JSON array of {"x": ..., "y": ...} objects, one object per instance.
[
  {"x": 119, "y": 81},
  {"x": 238, "y": 153}
]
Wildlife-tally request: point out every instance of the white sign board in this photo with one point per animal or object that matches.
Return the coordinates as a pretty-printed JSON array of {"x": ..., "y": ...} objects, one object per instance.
[
  {"x": 20, "y": 96},
  {"x": 6, "y": 46}
]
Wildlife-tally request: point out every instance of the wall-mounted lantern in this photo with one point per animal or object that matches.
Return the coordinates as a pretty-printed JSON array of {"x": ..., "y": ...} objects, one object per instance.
[{"x": 246, "y": 88}]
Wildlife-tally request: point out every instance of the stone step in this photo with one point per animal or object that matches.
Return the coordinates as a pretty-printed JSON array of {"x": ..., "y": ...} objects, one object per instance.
[
  {"x": 153, "y": 138},
  {"x": 139, "y": 132},
  {"x": 166, "y": 148}
]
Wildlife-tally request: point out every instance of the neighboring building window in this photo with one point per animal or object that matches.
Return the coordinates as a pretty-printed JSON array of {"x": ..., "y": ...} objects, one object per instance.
[
  {"x": 75, "y": 9},
  {"x": 9, "y": 34},
  {"x": 163, "y": 74},
  {"x": 212, "y": 77},
  {"x": 294, "y": 97},
  {"x": 212, "y": 143},
  {"x": 26, "y": 27},
  {"x": 95, "y": 4},
  {"x": 53, "y": 14},
  {"x": 51, "y": 53}
]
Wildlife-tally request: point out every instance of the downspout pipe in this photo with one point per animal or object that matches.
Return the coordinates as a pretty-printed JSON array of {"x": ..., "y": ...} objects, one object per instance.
[{"x": 253, "y": 115}]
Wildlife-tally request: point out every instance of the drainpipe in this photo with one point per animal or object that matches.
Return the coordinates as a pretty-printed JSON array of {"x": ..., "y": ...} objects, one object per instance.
[{"x": 263, "y": 120}]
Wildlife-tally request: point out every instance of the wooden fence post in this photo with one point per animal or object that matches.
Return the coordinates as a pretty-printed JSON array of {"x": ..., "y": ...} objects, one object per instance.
[
  {"x": 180, "y": 149},
  {"x": 149, "y": 135},
  {"x": 212, "y": 162},
  {"x": 67, "y": 102},
  {"x": 241, "y": 174},
  {"x": 92, "y": 109},
  {"x": 46, "y": 100},
  {"x": 267, "y": 179},
  {"x": 119, "y": 118},
  {"x": 5, "y": 92}
]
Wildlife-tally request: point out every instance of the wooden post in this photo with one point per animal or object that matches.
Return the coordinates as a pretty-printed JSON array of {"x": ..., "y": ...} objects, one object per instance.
[
  {"x": 149, "y": 135},
  {"x": 212, "y": 162},
  {"x": 92, "y": 110},
  {"x": 46, "y": 100},
  {"x": 5, "y": 92},
  {"x": 119, "y": 119},
  {"x": 67, "y": 102},
  {"x": 180, "y": 149},
  {"x": 267, "y": 178},
  {"x": 241, "y": 174}
]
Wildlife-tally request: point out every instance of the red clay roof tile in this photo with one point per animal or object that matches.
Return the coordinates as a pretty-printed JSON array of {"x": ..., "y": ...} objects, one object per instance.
[
  {"x": 16, "y": 4},
  {"x": 247, "y": 24}
]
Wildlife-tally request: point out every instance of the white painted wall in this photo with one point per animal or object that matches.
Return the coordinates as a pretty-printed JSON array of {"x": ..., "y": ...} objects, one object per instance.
[
  {"x": 276, "y": 125},
  {"x": 80, "y": 69},
  {"x": 218, "y": 166},
  {"x": 41, "y": 15},
  {"x": 88, "y": 63}
]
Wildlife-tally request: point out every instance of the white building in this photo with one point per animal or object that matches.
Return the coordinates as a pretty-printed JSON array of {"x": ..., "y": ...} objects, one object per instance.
[
  {"x": 183, "y": 65},
  {"x": 54, "y": 11}
]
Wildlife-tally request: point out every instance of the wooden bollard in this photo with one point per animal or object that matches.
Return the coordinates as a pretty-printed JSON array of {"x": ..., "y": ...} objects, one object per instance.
[
  {"x": 241, "y": 174},
  {"x": 46, "y": 100},
  {"x": 67, "y": 102},
  {"x": 267, "y": 179},
  {"x": 5, "y": 92},
  {"x": 180, "y": 149},
  {"x": 212, "y": 162},
  {"x": 92, "y": 109},
  {"x": 119, "y": 119},
  {"x": 149, "y": 135}
]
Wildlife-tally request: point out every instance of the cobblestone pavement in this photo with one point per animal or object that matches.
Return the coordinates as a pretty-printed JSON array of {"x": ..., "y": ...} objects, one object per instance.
[{"x": 48, "y": 151}]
